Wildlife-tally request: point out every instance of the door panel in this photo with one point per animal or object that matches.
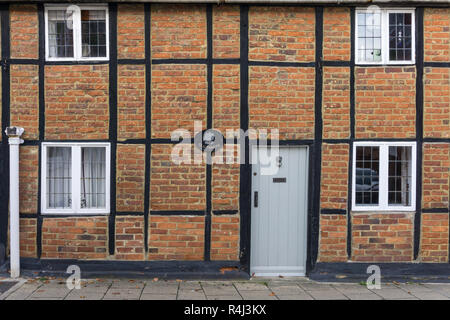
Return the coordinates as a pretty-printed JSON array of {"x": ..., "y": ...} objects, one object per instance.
[{"x": 279, "y": 219}]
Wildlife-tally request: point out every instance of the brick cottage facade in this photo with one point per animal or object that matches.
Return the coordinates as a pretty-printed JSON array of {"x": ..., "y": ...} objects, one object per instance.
[{"x": 310, "y": 71}]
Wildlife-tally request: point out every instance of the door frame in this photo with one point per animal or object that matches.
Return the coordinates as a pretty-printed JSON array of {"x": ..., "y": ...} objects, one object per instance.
[{"x": 313, "y": 202}]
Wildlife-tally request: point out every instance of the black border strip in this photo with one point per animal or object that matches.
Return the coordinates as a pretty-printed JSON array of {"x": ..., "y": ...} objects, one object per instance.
[
  {"x": 177, "y": 212},
  {"x": 225, "y": 212},
  {"x": 314, "y": 223},
  {"x": 352, "y": 131},
  {"x": 112, "y": 122},
  {"x": 326, "y": 211},
  {"x": 209, "y": 124},
  {"x": 148, "y": 120},
  {"x": 419, "y": 127},
  {"x": 4, "y": 156},
  {"x": 245, "y": 182}
]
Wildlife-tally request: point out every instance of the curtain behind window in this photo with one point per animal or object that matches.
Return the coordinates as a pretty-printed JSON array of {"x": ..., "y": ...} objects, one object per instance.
[{"x": 93, "y": 177}]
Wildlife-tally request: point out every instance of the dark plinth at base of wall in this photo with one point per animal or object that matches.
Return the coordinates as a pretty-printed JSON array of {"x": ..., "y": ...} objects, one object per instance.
[
  {"x": 401, "y": 272},
  {"x": 191, "y": 270}
]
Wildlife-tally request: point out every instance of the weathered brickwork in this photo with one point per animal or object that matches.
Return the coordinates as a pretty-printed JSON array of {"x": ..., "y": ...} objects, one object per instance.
[
  {"x": 382, "y": 237},
  {"x": 24, "y": 101},
  {"x": 130, "y": 178},
  {"x": 334, "y": 183},
  {"x": 436, "y": 175},
  {"x": 436, "y": 122},
  {"x": 336, "y": 34},
  {"x": 175, "y": 186},
  {"x": 28, "y": 179},
  {"x": 176, "y": 238},
  {"x": 130, "y": 31},
  {"x": 434, "y": 237},
  {"x": 385, "y": 102},
  {"x": 225, "y": 237},
  {"x": 333, "y": 238},
  {"x": 226, "y": 31},
  {"x": 178, "y": 98},
  {"x": 28, "y": 248},
  {"x": 226, "y": 98},
  {"x": 24, "y": 32},
  {"x": 225, "y": 178},
  {"x": 131, "y": 102},
  {"x": 76, "y": 102},
  {"x": 336, "y": 102},
  {"x": 178, "y": 31},
  {"x": 274, "y": 34},
  {"x": 282, "y": 98},
  {"x": 130, "y": 238},
  {"x": 437, "y": 34},
  {"x": 75, "y": 238}
]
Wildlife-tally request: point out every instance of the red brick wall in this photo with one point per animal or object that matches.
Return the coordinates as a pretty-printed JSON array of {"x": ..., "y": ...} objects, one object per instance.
[
  {"x": 130, "y": 31},
  {"x": 225, "y": 237},
  {"x": 436, "y": 122},
  {"x": 333, "y": 238},
  {"x": 282, "y": 98},
  {"x": 178, "y": 31},
  {"x": 385, "y": 102},
  {"x": 336, "y": 102},
  {"x": 226, "y": 31},
  {"x": 436, "y": 173},
  {"x": 130, "y": 179},
  {"x": 130, "y": 238},
  {"x": 131, "y": 102},
  {"x": 28, "y": 179},
  {"x": 437, "y": 34},
  {"x": 434, "y": 237},
  {"x": 176, "y": 238},
  {"x": 336, "y": 34},
  {"x": 24, "y": 101},
  {"x": 76, "y": 102},
  {"x": 24, "y": 34},
  {"x": 382, "y": 237},
  {"x": 175, "y": 186},
  {"x": 75, "y": 238},
  {"x": 274, "y": 34},
  {"x": 28, "y": 238},
  {"x": 334, "y": 182},
  {"x": 178, "y": 98},
  {"x": 226, "y": 97}
]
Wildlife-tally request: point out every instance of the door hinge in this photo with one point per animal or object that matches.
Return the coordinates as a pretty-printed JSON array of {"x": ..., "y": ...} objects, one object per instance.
[{"x": 4, "y": 63}]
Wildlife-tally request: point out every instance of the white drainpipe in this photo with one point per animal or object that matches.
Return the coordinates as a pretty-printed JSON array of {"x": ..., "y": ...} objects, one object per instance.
[{"x": 14, "y": 140}]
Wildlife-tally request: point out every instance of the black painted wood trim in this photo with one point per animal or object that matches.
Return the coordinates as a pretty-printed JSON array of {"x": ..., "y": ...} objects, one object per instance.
[
  {"x": 148, "y": 120},
  {"x": 326, "y": 211}
]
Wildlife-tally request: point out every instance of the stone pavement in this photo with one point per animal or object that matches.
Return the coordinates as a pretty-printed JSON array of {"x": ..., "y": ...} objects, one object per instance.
[{"x": 255, "y": 289}]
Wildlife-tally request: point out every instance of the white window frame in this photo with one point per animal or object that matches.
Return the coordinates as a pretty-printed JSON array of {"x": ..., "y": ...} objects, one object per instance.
[
  {"x": 383, "y": 177},
  {"x": 77, "y": 47},
  {"x": 76, "y": 177},
  {"x": 385, "y": 36}
]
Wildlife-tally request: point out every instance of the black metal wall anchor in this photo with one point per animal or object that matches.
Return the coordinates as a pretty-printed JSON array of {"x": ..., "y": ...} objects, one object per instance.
[{"x": 5, "y": 64}]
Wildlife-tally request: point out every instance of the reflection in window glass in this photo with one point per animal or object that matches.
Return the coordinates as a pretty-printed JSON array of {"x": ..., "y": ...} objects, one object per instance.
[
  {"x": 369, "y": 37},
  {"x": 93, "y": 177},
  {"x": 400, "y": 176},
  {"x": 400, "y": 37},
  {"x": 60, "y": 34},
  {"x": 367, "y": 175},
  {"x": 59, "y": 178},
  {"x": 93, "y": 33}
]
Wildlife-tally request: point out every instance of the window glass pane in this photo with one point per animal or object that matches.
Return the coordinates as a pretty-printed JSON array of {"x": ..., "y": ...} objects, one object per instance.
[
  {"x": 93, "y": 177},
  {"x": 60, "y": 34},
  {"x": 369, "y": 36},
  {"x": 93, "y": 33},
  {"x": 59, "y": 178},
  {"x": 400, "y": 38},
  {"x": 400, "y": 176},
  {"x": 367, "y": 175}
]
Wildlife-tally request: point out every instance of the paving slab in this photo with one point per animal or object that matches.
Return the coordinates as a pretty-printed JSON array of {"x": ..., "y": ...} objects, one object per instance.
[
  {"x": 197, "y": 294},
  {"x": 153, "y": 296},
  {"x": 219, "y": 289},
  {"x": 251, "y": 286},
  {"x": 225, "y": 297},
  {"x": 161, "y": 287},
  {"x": 327, "y": 294},
  {"x": 122, "y": 294},
  {"x": 128, "y": 284},
  {"x": 49, "y": 292},
  {"x": 286, "y": 289},
  {"x": 258, "y": 295},
  {"x": 392, "y": 293},
  {"x": 82, "y": 295}
]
